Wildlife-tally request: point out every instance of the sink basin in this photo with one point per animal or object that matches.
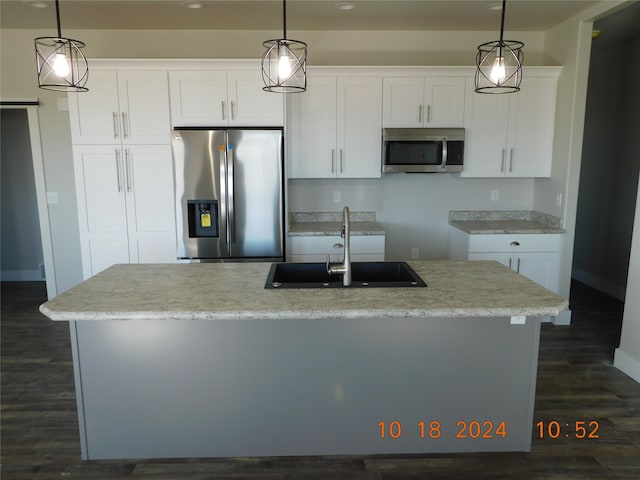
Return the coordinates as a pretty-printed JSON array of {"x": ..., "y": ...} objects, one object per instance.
[{"x": 363, "y": 275}]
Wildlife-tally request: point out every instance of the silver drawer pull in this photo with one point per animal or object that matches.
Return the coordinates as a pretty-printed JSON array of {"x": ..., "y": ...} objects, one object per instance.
[
  {"x": 338, "y": 245},
  {"x": 515, "y": 244}
]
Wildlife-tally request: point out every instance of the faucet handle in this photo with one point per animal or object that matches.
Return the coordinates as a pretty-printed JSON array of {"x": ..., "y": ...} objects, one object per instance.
[
  {"x": 327, "y": 264},
  {"x": 342, "y": 231}
]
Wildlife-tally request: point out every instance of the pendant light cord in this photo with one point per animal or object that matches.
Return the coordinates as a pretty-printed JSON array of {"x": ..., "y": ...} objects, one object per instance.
[
  {"x": 58, "y": 19},
  {"x": 501, "y": 44},
  {"x": 284, "y": 19}
]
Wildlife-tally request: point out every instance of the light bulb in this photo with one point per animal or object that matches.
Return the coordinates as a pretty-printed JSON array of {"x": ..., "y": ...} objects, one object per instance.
[
  {"x": 498, "y": 71},
  {"x": 60, "y": 65},
  {"x": 284, "y": 66}
]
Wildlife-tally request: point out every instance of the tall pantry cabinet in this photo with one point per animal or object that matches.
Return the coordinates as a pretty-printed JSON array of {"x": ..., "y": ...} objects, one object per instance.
[{"x": 123, "y": 169}]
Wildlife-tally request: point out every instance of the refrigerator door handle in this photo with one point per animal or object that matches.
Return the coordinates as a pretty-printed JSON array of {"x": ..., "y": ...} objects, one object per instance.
[
  {"x": 223, "y": 193},
  {"x": 231, "y": 229}
]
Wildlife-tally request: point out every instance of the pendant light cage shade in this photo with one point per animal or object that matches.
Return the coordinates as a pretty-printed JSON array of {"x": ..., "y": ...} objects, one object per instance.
[
  {"x": 499, "y": 67},
  {"x": 284, "y": 66},
  {"x": 61, "y": 64}
]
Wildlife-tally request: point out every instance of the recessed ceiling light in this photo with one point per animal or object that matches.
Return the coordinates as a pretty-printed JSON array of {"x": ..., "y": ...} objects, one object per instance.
[
  {"x": 345, "y": 5},
  {"x": 494, "y": 6},
  {"x": 35, "y": 3},
  {"x": 191, "y": 4}
]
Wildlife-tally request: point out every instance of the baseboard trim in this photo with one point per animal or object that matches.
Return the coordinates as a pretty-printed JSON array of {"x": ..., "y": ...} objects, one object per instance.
[
  {"x": 627, "y": 364},
  {"x": 599, "y": 283}
]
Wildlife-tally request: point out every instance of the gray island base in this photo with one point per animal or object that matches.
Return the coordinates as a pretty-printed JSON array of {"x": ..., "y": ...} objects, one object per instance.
[{"x": 201, "y": 361}]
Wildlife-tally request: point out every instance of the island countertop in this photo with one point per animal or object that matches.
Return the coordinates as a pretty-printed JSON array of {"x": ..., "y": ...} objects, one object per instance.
[{"x": 235, "y": 291}]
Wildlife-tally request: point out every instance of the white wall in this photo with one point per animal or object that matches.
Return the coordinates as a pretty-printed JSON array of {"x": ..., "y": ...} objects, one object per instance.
[
  {"x": 21, "y": 249},
  {"x": 18, "y": 80}
]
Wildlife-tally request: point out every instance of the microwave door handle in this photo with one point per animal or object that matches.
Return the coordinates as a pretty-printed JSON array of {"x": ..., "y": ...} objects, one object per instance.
[{"x": 444, "y": 153}]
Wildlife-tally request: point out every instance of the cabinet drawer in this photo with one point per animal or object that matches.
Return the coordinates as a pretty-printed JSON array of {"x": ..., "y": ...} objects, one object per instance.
[
  {"x": 323, "y": 245},
  {"x": 515, "y": 243}
]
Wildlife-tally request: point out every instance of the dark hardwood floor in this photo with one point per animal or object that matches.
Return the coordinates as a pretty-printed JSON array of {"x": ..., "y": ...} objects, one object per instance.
[{"x": 576, "y": 383}]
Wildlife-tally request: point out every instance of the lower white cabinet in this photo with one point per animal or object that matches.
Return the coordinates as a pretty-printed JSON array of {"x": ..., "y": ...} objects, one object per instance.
[
  {"x": 364, "y": 248},
  {"x": 536, "y": 256},
  {"x": 125, "y": 205}
]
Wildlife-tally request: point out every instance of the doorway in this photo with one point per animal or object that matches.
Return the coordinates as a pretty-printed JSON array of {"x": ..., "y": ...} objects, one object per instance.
[
  {"x": 27, "y": 252},
  {"x": 610, "y": 156}
]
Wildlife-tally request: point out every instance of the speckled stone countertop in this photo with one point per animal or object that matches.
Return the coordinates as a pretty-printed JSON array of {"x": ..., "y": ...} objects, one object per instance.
[
  {"x": 504, "y": 221},
  {"x": 235, "y": 291},
  {"x": 330, "y": 223}
]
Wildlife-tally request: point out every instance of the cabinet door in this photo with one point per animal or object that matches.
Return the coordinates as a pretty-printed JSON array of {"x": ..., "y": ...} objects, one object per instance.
[
  {"x": 444, "y": 102},
  {"x": 531, "y": 125},
  {"x": 102, "y": 214},
  {"x": 198, "y": 98},
  {"x": 249, "y": 105},
  {"x": 313, "y": 133},
  {"x": 150, "y": 203},
  {"x": 503, "y": 257},
  {"x": 486, "y": 122},
  {"x": 403, "y": 99},
  {"x": 144, "y": 106},
  {"x": 95, "y": 115},
  {"x": 541, "y": 267},
  {"x": 359, "y": 127}
]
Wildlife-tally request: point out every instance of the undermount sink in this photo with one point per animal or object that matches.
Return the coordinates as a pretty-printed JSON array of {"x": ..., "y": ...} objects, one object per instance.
[{"x": 364, "y": 275}]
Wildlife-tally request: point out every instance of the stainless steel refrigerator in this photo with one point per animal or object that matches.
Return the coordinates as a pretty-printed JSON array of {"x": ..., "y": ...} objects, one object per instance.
[{"x": 229, "y": 194}]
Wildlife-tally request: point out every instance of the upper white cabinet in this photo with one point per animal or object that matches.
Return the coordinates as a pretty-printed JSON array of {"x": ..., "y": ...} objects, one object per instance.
[
  {"x": 335, "y": 128},
  {"x": 223, "y": 98},
  {"x": 121, "y": 107},
  {"x": 511, "y": 135},
  {"x": 423, "y": 102}
]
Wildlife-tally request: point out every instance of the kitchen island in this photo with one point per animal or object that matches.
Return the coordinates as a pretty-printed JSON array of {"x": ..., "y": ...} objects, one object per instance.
[{"x": 199, "y": 360}]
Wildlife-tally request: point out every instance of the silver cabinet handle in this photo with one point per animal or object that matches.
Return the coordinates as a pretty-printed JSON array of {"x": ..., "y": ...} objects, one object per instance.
[
  {"x": 333, "y": 160},
  {"x": 504, "y": 151},
  {"x": 115, "y": 125},
  {"x": 233, "y": 110},
  {"x": 515, "y": 244},
  {"x": 223, "y": 110},
  {"x": 511, "y": 161},
  {"x": 128, "y": 171},
  {"x": 341, "y": 161},
  {"x": 428, "y": 113},
  {"x": 125, "y": 125},
  {"x": 518, "y": 266},
  {"x": 419, "y": 113},
  {"x": 445, "y": 153},
  {"x": 118, "y": 170},
  {"x": 338, "y": 245},
  {"x": 510, "y": 263}
]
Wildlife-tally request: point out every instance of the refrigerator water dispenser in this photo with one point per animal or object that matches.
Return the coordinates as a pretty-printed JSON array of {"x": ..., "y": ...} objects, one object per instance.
[{"x": 203, "y": 218}]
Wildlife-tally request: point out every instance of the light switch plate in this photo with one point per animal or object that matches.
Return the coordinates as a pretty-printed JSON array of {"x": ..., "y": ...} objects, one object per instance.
[{"x": 52, "y": 197}]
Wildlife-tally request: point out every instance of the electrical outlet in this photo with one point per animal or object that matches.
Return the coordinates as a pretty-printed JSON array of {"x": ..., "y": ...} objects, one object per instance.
[
  {"x": 336, "y": 196},
  {"x": 495, "y": 195},
  {"x": 559, "y": 200},
  {"x": 415, "y": 253},
  {"x": 52, "y": 197}
]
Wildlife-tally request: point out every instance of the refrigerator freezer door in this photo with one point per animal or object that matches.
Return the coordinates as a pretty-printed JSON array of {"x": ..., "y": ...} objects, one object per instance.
[
  {"x": 255, "y": 193},
  {"x": 200, "y": 163}
]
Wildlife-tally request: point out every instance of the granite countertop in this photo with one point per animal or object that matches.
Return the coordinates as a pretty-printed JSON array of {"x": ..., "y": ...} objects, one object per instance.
[
  {"x": 235, "y": 291},
  {"x": 330, "y": 223},
  {"x": 505, "y": 221}
]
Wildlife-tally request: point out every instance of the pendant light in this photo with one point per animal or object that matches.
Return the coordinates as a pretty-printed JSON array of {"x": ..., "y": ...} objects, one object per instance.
[
  {"x": 61, "y": 64},
  {"x": 284, "y": 63},
  {"x": 499, "y": 64}
]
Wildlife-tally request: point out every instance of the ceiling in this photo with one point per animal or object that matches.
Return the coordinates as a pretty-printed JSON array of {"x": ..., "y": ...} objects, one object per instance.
[{"x": 523, "y": 15}]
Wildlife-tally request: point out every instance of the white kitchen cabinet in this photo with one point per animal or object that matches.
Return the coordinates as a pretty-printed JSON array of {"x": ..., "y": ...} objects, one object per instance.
[
  {"x": 335, "y": 128},
  {"x": 125, "y": 205},
  {"x": 364, "y": 248},
  {"x": 510, "y": 135},
  {"x": 423, "y": 102},
  {"x": 223, "y": 98},
  {"x": 536, "y": 256},
  {"x": 122, "y": 107}
]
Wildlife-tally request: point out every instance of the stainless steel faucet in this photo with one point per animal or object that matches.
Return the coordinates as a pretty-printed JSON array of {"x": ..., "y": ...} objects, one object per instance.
[{"x": 345, "y": 267}]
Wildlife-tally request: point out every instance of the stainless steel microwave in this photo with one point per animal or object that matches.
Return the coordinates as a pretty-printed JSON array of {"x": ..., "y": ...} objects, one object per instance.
[{"x": 422, "y": 150}]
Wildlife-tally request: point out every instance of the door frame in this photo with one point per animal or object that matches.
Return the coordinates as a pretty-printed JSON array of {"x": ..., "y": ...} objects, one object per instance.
[{"x": 31, "y": 106}]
